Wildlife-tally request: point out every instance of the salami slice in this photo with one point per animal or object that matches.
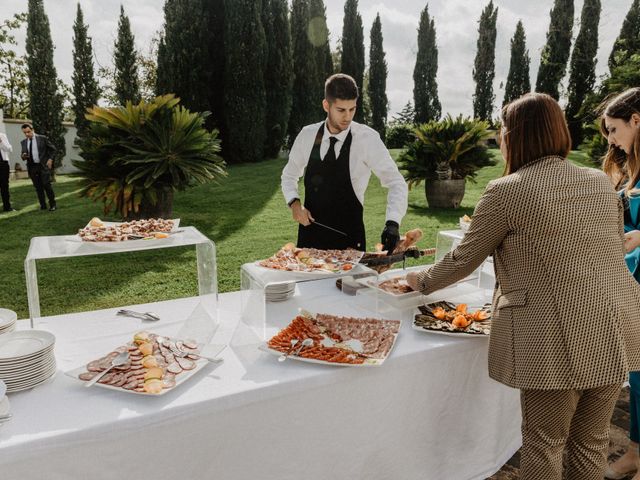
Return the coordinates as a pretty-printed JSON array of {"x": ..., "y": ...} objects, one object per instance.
[
  {"x": 86, "y": 376},
  {"x": 185, "y": 363}
]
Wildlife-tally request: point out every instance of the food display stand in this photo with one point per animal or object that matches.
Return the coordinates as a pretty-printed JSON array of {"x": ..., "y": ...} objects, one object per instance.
[
  {"x": 272, "y": 298},
  {"x": 204, "y": 319}
]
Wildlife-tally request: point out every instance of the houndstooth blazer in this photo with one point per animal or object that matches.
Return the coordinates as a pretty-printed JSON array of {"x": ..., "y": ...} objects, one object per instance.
[{"x": 566, "y": 310}]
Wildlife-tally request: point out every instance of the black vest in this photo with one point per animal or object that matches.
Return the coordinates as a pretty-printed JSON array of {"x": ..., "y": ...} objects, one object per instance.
[{"x": 330, "y": 199}]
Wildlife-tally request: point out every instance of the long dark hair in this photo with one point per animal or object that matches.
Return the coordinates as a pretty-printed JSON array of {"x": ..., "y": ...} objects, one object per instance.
[
  {"x": 534, "y": 127},
  {"x": 618, "y": 165}
]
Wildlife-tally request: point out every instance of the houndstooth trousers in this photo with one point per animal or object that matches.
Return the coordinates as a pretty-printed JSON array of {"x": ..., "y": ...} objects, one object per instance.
[{"x": 577, "y": 420}]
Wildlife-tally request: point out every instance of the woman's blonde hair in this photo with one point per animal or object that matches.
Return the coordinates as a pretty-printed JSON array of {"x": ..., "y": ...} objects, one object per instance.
[
  {"x": 619, "y": 166},
  {"x": 534, "y": 127}
]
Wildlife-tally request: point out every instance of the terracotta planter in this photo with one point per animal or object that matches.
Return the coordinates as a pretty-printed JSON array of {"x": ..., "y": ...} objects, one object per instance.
[{"x": 444, "y": 193}]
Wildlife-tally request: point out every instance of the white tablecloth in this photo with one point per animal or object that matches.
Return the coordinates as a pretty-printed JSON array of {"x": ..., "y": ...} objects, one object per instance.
[{"x": 430, "y": 412}]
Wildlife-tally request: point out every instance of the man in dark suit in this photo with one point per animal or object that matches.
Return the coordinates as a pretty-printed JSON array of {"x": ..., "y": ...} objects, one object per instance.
[{"x": 38, "y": 151}]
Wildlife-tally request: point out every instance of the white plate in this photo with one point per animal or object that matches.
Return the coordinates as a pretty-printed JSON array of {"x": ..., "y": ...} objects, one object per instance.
[
  {"x": 451, "y": 334},
  {"x": 7, "y": 318},
  {"x": 16, "y": 345},
  {"x": 32, "y": 385},
  {"x": 180, "y": 378},
  {"x": 12, "y": 385},
  {"x": 26, "y": 361},
  {"x": 368, "y": 362},
  {"x": 391, "y": 295},
  {"x": 28, "y": 372},
  {"x": 176, "y": 224}
]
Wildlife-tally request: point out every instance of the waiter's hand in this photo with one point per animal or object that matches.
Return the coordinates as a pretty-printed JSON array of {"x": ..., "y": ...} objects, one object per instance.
[
  {"x": 390, "y": 236},
  {"x": 50, "y": 164},
  {"x": 301, "y": 214},
  {"x": 631, "y": 240}
]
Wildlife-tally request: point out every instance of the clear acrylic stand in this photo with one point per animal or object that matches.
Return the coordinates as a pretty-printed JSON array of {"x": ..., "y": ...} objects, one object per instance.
[
  {"x": 271, "y": 299},
  {"x": 201, "y": 324}
]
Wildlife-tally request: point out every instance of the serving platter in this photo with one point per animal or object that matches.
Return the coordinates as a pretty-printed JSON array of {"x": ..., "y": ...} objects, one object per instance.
[
  {"x": 430, "y": 322},
  {"x": 166, "y": 360},
  {"x": 336, "y": 341},
  {"x": 108, "y": 225}
]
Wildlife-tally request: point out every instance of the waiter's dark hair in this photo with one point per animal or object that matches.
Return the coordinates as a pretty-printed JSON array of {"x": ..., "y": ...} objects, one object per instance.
[
  {"x": 340, "y": 87},
  {"x": 26, "y": 125}
]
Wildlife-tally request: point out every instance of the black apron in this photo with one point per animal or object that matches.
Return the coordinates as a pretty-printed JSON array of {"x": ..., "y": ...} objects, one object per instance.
[{"x": 330, "y": 198}]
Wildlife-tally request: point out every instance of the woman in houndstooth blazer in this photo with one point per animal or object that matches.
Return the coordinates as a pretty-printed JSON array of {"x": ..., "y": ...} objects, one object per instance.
[
  {"x": 620, "y": 124},
  {"x": 565, "y": 328}
]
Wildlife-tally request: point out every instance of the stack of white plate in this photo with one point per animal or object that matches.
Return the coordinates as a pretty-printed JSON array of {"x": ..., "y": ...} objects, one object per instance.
[
  {"x": 26, "y": 359},
  {"x": 279, "y": 292},
  {"x": 7, "y": 320}
]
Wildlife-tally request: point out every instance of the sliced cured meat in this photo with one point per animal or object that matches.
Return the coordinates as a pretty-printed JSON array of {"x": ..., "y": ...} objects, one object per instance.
[
  {"x": 87, "y": 375},
  {"x": 185, "y": 363}
]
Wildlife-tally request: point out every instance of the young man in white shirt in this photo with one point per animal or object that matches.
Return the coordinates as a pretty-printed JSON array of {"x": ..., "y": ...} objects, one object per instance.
[{"x": 337, "y": 157}]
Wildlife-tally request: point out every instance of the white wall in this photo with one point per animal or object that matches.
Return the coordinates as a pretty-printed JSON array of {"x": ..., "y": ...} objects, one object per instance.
[{"x": 12, "y": 128}]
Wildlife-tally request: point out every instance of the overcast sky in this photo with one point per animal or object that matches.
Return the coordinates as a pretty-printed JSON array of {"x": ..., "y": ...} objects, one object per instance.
[{"x": 456, "y": 29}]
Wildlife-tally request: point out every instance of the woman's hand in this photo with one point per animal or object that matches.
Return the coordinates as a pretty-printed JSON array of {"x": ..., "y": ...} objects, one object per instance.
[
  {"x": 412, "y": 280},
  {"x": 631, "y": 240}
]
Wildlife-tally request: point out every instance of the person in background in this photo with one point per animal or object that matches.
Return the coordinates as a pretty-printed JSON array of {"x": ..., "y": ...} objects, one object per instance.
[
  {"x": 565, "y": 328},
  {"x": 620, "y": 124},
  {"x": 5, "y": 150},
  {"x": 38, "y": 151},
  {"x": 337, "y": 157}
]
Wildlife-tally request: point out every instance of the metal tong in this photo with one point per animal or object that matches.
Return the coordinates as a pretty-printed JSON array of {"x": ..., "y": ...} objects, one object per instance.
[
  {"x": 149, "y": 316},
  {"x": 380, "y": 260}
]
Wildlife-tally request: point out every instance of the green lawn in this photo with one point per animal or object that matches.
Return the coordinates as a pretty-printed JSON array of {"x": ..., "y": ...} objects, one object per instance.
[{"x": 244, "y": 215}]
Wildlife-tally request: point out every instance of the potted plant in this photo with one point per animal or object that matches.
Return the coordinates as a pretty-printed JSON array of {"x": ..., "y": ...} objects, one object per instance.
[
  {"x": 444, "y": 154},
  {"x": 135, "y": 157}
]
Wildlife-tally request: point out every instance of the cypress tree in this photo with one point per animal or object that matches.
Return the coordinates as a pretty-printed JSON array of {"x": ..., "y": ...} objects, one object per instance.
[
  {"x": 304, "y": 111},
  {"x": 425, "y": 86},
  {"x": 628, "y": 41},
  {"x": 126, "y": 85},
  {"x": 215, "y": 14},
  {"x": 378, "y": 79},
  {"x": 181, "y": 69},
  {"x": 485, "y": 64},
  {"x": 518, "y": 82},
  {"x": 244, "y": 92},
  {"x": 318, "y": 33},
  {"x": 278, "y": 75},
  {"x": 555, "y": 53},
  {"x": 85, "y": 86},
  {"x": 352, "y": 61},
  {"x": 45, "y": 100},
  {"x": 582, "y": 75}
]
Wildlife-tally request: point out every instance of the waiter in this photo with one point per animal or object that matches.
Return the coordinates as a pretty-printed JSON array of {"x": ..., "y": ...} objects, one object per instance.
[{"x": 337, "y": 157}]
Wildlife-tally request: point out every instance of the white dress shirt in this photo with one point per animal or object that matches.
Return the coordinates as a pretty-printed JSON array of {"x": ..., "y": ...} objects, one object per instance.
[
  {"x": 35, "y": 155},
  {"x": 368, "y": 154},
  {"x": 5, "y": 147}
]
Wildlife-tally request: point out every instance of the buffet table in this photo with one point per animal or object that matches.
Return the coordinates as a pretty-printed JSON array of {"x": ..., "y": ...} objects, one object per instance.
[{"x": 430, "y": 412}]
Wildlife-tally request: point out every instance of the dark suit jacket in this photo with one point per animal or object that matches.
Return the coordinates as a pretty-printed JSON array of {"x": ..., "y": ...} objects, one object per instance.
[{"x": 46, "y": 150}]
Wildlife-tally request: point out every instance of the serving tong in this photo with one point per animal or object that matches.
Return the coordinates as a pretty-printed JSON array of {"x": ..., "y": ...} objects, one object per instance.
[
  {"x": 148, "y": 316},
  {"x": 382, "y": 260}
]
